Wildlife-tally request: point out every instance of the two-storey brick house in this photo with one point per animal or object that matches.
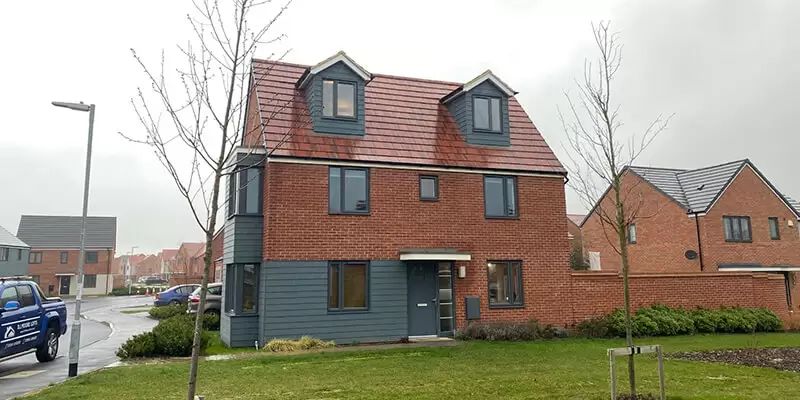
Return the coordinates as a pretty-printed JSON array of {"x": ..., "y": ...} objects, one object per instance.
[
  {"x": 723, "y": 218},
  {"x": 388, "y": 207},
  {"x": 55, "y": 247}
]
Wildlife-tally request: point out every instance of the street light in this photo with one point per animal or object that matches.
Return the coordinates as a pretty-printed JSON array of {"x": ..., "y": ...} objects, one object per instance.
[{"x": 75, "y": 335}]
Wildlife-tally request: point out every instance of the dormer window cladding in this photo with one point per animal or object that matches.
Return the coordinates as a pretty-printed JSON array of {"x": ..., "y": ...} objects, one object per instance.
[
  {"x": 487, "y": 114},
  {"x": 338, "y": 99}
]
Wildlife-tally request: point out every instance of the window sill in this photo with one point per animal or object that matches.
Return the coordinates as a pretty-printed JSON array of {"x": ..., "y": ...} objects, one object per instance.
[
  {"x": 501, "y": 133},
  {"x": 346, "y": 119},
  {"x": 738, "y": 241},
  {"x": 242, "y": 314},
  {"x": 502, "y": 306},
  {"x": 346, "y": 311},
  {"x": 429, "y": 200},
  {"x": 501, "y": 217},
  {"x": 348, "y": 213}
]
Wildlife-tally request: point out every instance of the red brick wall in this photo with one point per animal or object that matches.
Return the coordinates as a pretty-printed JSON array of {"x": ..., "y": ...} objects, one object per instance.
[
  {"x": 51, "y": 265},
  {"x": 663, "y": 232},
  {"x": 749, "y": 196},
  {"x": 298, "y": 227},
  {"x": 597, "y": 293}
]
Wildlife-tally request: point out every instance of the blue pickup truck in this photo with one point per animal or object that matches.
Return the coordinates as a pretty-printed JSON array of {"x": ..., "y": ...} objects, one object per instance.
[{"x": 29, "y": 320}]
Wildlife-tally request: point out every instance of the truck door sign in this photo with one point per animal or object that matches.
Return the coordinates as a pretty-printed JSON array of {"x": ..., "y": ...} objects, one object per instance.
[{"x": 19, "y": 332}]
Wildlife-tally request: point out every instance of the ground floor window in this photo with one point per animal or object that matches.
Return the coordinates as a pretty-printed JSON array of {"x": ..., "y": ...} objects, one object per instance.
[
  {"x": 446, "y": 316},
  {"x": 505, "y": 283},
  {"x": 241, "y": 288},
  {"x": 90, "y": 281},
  {"x": 348, "y": 285}
]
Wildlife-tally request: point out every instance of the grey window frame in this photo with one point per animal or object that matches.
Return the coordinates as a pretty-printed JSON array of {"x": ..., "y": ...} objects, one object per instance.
[
  {"x": 340, "y": 286},
  {"x": 777, "y": 223},
  {"x": 4, "y": 253},
  {"x": 490, "y": 119},
  {"x": 231, "y": 196},
  {"x": 342, "y": 171},
  {"x": 233, "y": 288},
  {"x": 19, "y": 254},
  {"x": 435, "y": 179},
  {"x": 93, "y": 280},
  {"x": 239, "y": 187},
  {"x": 506, "y": 215},
  {"x": 32, "y": 259},
  {"x": 63, "y": 257},
  {"x": 510, "y": 282},
  {"x": 631, "y": 238},
  {"x": 336, "y": 83},
  {"x": 738, "y": 219},
  {"x": 88, "y": 261}
]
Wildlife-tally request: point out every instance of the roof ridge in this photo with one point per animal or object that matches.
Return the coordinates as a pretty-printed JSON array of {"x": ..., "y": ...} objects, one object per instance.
[
  {"x": 742, "y": 161},
  {"x": 410, "y": 78},
  {"x": 661, "y": 168}
]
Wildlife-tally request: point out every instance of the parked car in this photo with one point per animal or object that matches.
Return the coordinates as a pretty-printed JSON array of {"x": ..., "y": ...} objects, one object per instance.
[
  {"x": 213, "y": 300},
  {"x": 154, "y": 280},
  {"x": 176, "y": 295},
  {"x": 29, "y": 320}
]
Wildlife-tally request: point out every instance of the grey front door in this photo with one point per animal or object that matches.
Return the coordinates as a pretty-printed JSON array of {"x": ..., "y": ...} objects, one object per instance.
[
  {"x": 65, "y": 283},
  {"x": 422, "y": 300}
]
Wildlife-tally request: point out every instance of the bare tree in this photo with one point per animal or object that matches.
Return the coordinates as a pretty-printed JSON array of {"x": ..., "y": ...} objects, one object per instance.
[
  {"x": 194, "y": 130},
  {"x": 600, "y": 151}
]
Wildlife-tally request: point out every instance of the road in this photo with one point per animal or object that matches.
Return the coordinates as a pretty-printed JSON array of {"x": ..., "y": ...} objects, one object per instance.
[{"x": 103, "y": 329}]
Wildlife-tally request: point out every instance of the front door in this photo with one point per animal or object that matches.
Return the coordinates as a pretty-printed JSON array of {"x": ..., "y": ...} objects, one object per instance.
[
  {"x": 422, "y": 301},
  {"x": 65, "y": 283}
]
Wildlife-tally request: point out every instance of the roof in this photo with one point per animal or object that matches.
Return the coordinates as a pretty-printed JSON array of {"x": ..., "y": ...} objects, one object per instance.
[
  {"x": 193, "y": 249},
  {"x": 488, "y": 75},
  {"x": 9, "y": 240},
  {"x": 64, "y": 232},
  {"x": 136, "y": 259},
  {"x": 168, "y": 254},
  {"x": 696, "y": 190},
  {"x": 576, "y": 218},
  {"x": 405, "y": 123}
]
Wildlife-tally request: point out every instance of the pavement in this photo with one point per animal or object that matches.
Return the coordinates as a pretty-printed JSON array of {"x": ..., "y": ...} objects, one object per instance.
[{"x": 103, "y": 330}]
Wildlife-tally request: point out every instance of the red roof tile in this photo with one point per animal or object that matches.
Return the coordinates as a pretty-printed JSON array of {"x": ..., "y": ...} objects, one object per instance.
[
  {"x": 168, "y": 254},
  {"x": 404, "y": 123}
]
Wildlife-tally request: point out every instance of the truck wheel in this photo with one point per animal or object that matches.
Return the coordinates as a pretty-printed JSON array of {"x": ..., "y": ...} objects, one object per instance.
[
  {"x": 212, "y": 312},
  {"x": 49, "y": 349}
]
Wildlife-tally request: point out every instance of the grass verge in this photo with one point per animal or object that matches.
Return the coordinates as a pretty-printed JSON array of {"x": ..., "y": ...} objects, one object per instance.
[
  {"x": 558, "y": 369},
  {"x": 138, "y": 311}
]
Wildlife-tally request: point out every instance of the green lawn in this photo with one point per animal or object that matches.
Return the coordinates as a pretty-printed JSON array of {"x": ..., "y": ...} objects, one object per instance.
[
  {"x": 216, "y": 347},
  {"x": 559, "y": 369}
]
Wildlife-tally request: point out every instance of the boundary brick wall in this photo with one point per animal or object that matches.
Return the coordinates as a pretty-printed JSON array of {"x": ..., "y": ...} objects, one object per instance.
[{"x": 597, "y": 293}]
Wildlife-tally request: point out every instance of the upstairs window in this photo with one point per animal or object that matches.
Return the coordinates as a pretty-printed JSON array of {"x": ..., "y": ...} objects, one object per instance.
[
  {"x": 774, "y": 229},
  {"x": 338, "y": 99},
  {"x": 244, "y": 192},
  {"x": 3, "y": 253},
  {"x": 348, "y": 190},
  {"x": 429, "y": 188},
  {"x": 737, "y": 229},
  {"x": 500, "y": 196},
  {"x": 64, "y": 257},
  {"x": 35, "y": 257},
  {"x": 632, "y": 233},
  {"x": 91, "y": 257},
  {"x": 487, "y": 114}
]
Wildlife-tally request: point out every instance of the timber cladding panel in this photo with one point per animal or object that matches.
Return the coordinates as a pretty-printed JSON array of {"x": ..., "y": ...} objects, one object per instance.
[{"x": 298, "y": 227}]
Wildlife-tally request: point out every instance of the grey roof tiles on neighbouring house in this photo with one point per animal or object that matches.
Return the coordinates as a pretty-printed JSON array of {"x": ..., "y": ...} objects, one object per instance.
[
  {"x": 7, "y": 239},
  {"x": 64, "y": 232},
  {"x": 697, "y": 189}
]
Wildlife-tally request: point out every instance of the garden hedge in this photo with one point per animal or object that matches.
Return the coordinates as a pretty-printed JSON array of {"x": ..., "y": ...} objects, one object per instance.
[{"x": 172, "y": 337}]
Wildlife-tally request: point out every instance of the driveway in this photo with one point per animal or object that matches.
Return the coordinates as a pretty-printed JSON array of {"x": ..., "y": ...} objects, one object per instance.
[{"x": 103, "y": 330}]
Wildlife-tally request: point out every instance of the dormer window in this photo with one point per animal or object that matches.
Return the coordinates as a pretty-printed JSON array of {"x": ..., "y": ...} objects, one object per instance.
[
  {"x": 487, "y": 114},
  {"x": 338, "y": 99}
]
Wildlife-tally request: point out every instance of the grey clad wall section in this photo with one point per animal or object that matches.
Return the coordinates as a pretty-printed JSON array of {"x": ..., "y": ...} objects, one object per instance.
[
  {"x": 338, "y": 71},
  {"x": 296, "y": 303},
  {"x": 17, "y": 264},
  {"x": 237, "y": 330},
  {"x": 461, "y": 109},
  {"x": 243, "y": 239}
]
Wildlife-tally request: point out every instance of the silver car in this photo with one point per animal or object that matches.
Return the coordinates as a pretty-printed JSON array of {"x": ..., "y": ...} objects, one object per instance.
[{"x": 213, "y": 299}]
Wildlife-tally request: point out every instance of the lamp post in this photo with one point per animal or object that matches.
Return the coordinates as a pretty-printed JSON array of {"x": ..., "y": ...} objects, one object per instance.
[{"x": 75, "y": 334}]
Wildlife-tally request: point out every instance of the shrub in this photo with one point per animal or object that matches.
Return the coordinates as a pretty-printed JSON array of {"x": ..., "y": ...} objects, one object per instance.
[
  {"x": 305, "y": 343},
  {"x": 165, "y": 312},
  {"x": 507, "y": 331},
  {"x": 172, "y": 337},
  {"x": 210, "y": 322},
  {"x": 142, "y": 345},
  {"x": 660, "y": 320}
]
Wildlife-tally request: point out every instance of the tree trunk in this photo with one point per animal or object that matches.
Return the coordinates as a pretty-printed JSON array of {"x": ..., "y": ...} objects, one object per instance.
[{"x": 623, "y": 246}]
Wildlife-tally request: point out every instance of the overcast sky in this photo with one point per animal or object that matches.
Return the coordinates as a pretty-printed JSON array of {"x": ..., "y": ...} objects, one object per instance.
[{"x": 730, "y": 71}]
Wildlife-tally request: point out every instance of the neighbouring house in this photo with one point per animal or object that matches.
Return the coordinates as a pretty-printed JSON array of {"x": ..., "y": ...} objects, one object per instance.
[
  {"x": 167, "y": 261},
  {"x": 725, "y": 218},
  {"x": 149, "y": 266},
  {"x": 54, "y": 252},
  {"x": 577, "y": 256},
  {"x": 13, "y": 255},
  {"x": 391, "y": 207},
  {"x": 188, "y": 265},
  {"x": 216, "y": 255}
]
